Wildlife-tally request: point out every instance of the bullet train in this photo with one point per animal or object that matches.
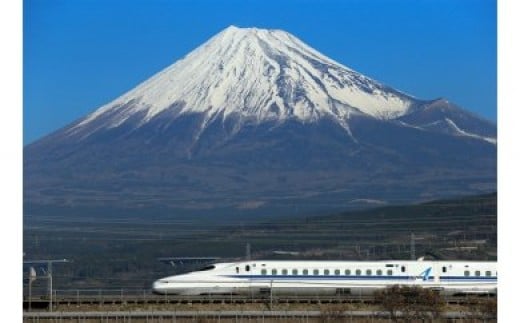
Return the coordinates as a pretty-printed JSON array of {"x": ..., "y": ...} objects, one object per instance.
[{"x": 332, "y": 277}]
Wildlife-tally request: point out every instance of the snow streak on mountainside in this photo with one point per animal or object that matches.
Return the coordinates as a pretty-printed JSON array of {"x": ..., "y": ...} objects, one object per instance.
[{"x": 255, "y": 75}]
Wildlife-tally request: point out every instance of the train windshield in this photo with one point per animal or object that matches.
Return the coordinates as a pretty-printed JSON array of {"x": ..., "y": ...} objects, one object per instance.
[{"x": 206, "y": 268}]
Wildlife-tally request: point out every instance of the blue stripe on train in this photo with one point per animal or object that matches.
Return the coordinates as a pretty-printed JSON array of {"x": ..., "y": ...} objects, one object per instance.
[
  {"x": 339, "y": 277},
  {"x": 313, "y": 277},
  {"x": 490, "y": 278}
]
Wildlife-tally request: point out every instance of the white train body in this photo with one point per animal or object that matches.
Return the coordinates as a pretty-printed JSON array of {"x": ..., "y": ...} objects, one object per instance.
[{"x": 332, "y": 277}]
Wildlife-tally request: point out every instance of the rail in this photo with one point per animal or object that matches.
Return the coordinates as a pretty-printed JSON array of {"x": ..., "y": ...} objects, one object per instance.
[
  {"x": 145, "y": 296},
  {"x": 102, "y": 296},
  {"x": 237, "y": 315}
]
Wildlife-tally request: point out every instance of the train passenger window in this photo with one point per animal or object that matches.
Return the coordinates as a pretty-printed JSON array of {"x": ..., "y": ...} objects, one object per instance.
[
  {"x": 347, "y": 272},
  {"x": 248, "y": 268},
  {"x": 444, "y": 269},
  {"x": 403, "y": 269},
  {"x": 305, "y": 271},
  {"x": 477, "y": 273},
  {"x": 369, "y": 272},
  {"x": 264, "y": 271},
  {"x": 389, "y": 272},
  {"x": 274, "y": 272},
  {"x": 379, "y": 272},
  {"x": 316, "y": 272},
  {"x": 284, "y": 271},
  {"x": 358, "y": 272},
  {"x": 466, "y": 272},
  {"x": 326, "y": 272},
  {"x": 337, "y": 272},
  {"x": 488, "y": 273},
  {"x": 237, "y": 269},
  {"x": 295, "y": 271}
]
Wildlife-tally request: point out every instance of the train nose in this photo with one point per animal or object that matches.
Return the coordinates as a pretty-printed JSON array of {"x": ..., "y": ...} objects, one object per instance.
[{"x": 159, "y": 287}]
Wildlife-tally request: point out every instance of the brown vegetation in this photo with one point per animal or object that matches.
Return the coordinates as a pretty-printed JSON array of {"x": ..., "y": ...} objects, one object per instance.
[
  {"x": 410, "y": 303},
  {"x": 483, "y": 307}
]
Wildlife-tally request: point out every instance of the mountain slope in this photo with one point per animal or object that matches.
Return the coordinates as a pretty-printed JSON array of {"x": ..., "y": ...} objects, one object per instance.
[{"x": 256, "y": 119}]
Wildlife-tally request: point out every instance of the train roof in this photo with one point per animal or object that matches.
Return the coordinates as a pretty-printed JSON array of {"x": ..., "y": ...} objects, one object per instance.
[{"x": 394, "y": 261}]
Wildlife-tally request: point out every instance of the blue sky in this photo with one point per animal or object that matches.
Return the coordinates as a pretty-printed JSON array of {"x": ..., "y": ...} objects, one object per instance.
[{"x": 79, "y": 55}]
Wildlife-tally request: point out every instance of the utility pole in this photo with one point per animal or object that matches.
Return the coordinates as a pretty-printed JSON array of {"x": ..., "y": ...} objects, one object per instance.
[
  {"x": 248, "y": 251},
  {"x": 412, "y": 247},
  {"x": 32, "y": 277},
  {"x": 48, "y": 276},
  {"x": 271, "y": 296}
]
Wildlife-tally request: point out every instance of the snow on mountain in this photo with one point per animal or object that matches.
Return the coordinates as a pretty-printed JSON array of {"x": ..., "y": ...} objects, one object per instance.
[
  {"x": 442, "y": 116},
  {"x": 258, "y": 75},
  {"x": 256, "y": 119},
  {"x": 461, "y": 132}
]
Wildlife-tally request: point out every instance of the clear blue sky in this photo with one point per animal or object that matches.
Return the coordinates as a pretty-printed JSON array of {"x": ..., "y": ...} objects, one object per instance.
[{"x": 79, "y": 55}]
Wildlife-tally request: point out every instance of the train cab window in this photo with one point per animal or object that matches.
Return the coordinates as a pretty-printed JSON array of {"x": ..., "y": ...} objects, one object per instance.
[
  {"x": 466, "y": 273},
  {"x": 264, "y": 271},
  {"x": 274, "y": 272},
  {"x": 326, "y": 272},
  {"x": 207, "y": 268},
  {"x": 305, "y": 271},
  {"x": 369, "y": 272},
  {"x": 316, "y": 272},
  {"x": 248, "y": 268},
  {"x": 347, "y": 272},
  {"x": 403, "y": 269},
  {"x": 358, "y": 272},
  {"x": 337, "y": 272},
  {"x": 444, "y": 269},
  {"x": 389, "y": 272},
  {"x": 477, "y": 273},
  {"x": 379, "y": 272},
  {"x": 284, "y": 271},
  {"x": 295, "y": 271},
  {"x": 488, "y": 273}
]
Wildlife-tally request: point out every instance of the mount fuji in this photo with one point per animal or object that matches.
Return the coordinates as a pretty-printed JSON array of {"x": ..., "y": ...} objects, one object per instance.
[{"x": 256, "y": 120}]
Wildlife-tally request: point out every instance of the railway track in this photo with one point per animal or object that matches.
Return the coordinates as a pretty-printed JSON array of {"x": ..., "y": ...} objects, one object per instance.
[
  {"x": 235, "y": 316},
  {"x": 149, "y": 298}
]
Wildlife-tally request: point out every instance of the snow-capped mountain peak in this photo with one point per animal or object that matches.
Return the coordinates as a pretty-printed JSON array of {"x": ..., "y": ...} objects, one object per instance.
[
  {"x": 256, "y": 74},
  {"x": 257, "y": 120}
]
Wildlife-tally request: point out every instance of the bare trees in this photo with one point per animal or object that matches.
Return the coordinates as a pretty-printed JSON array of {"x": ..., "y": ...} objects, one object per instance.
[{"x": 410, "y": 303}]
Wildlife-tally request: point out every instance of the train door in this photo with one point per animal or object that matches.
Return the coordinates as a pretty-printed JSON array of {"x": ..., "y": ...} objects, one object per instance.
[
  {"x": 248, "y": 272},
  {"x": 436, "y": 273}
]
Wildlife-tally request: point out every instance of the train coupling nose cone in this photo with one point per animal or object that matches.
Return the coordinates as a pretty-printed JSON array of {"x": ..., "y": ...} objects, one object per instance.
[{"x": 158, "y": 287}]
